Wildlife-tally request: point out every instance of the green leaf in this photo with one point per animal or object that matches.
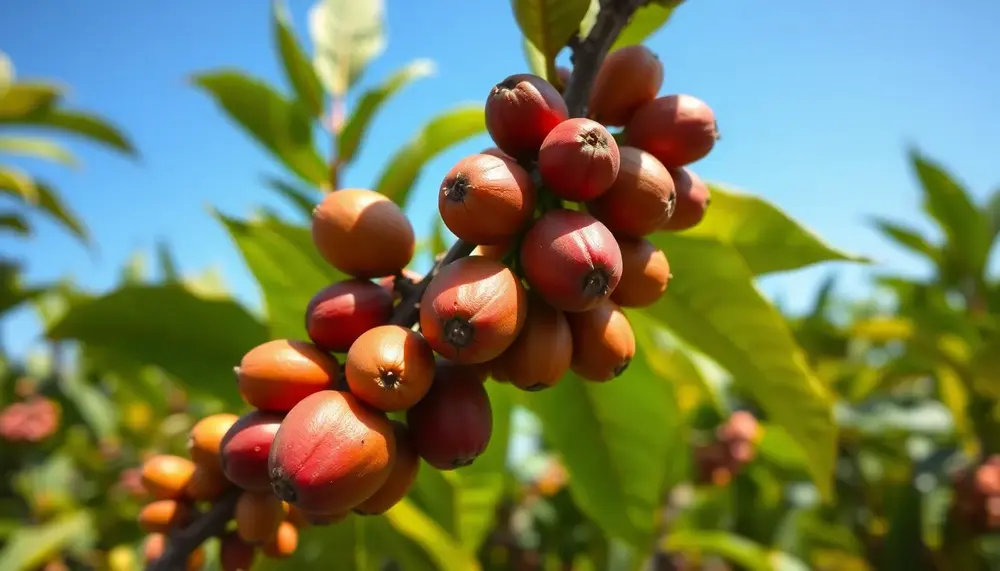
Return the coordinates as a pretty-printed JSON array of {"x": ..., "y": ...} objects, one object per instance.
[
  {"x": 18, "y": 183},
  {"x": 618, "y": 467},
  {"x": 51, "y": 204},
  {"x": 37, "y": 147},
  {"x": 745, "y": 553},
  {"x": 413, "y": 524},
  {"x": 347, "y": 35},
  {"x": 15, "y": 223},
  {"x": 353, "y": 133},
  {"x": 280, "y": 125},
  {"x": 96, "y": 409},
  {"x": 535, "y": 59},
  {"x": 298, "y": 68},
  {"x": 135, "y": 270},
  {"x": 23, "y": 98},
  {"x": 89, "y": 126},
  {"x": 549, "y": 24},
  {"x": 342, "y": 546},
  {"x": 767, "y": 238},
  {"x": 30, "y": 547},
  {"x": 908, "y": 238},
  {"x": 446, "y": 129},
  {"x": 303, "y": 200},
  {"x": 991, "y": 211},
  {"x": 194, "y": 339},
  {"x": 12, "y": 292},
  {"x": 713, "y": 304},
  {"x": 646, "y": 21},
  {"x": 168, "y": 266},
  {"x": 287, "y": 267},
  {"x": 6, "y": 73},
  {"x": 903, "y": 548}
]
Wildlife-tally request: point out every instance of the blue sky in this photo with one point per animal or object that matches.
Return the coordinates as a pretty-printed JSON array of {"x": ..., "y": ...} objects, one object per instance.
[{"x": 816, "y": 101}]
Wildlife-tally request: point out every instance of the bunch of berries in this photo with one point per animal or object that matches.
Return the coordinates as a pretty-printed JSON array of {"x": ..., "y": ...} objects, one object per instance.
[
  {"x": 29, "y": 421},
  {"x": 976, "y": 499},
  {"x": 733, "y": 446}
]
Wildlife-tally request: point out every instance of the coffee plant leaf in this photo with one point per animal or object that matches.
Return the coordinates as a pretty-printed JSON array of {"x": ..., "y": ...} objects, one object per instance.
[
  {"x": 646, "y": 22},
  {"x": 88, "y": 126},
  {"x": 37, "y": 147},
  {"x": 347, "y": 35},
  {"x": 296, "y": 64},
  {"x": 14, "y": 222},
  {"x": 30, "y": 547},
  {"x": 303, "y": 199},
  {"x": 23, "y": 98},
  {"x": 747, "y": 554},
  {"x": 549, "y": 24}
]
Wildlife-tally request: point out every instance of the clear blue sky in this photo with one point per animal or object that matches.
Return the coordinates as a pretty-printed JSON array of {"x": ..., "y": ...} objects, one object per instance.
[{"x": 816, "y": 101}]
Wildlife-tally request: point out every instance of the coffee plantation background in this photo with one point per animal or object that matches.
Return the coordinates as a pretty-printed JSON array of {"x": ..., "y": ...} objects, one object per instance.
[{"x": 868, "y": 408}]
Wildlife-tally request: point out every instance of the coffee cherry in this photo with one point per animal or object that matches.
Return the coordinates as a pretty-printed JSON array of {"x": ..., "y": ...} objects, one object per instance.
[
  {"x": 496, "y": 152},
  {"x": 579, "y": 160},
  {"x": 405, "y": 467},
  {"x": 520, "y": 111},
  {"x": 258, "y": 515},
  {"x": 645, "y": 273},
  {"x": 236, "y": 554},
  {"x": 452, "y": 425},
  {"x": 486, "y": 200},
  {"x": 323, "y": 518},
  {"x": 628, "y": 78},
  {"x": 571, "y": 260},
  {"x": 362, "y": 233},
  {"x": 207, "y": 484},
  {"x": 245, "y": 449},
  {"x": 296, "y": 517},
  {"x": 206, "y": 438},
  {"x": 284, "y": 543},
  {"x": 358, "y": 446},
  {"x": 677, "y": 129},
  {"x": 278, "y": 374},
  {"x": 156, "y": 544},
  {"x": 472, "y": 310},
  {"x": 166, "y": 476},
  {"x": 164, "y": 516},
  {"x": 642, "y": 198},
  {"x": 450, "y": 370},
  {"x": 693, "y": 198},
  {"x": 390, "y": 367},
  {"x": 541, "y": 354},
  {"x": 339, "y": 313},
  {"x": 603, "y": 342}
]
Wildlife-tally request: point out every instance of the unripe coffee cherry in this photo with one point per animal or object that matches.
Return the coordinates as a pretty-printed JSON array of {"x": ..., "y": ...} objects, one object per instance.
[
  {"x": 472, "y": 310},
  {"x": 245, "y": 449},
  {"x": 357, "y": 444},
  {"x": 362, "y": 233},
  {"x": 284, "y": 543},
  {"x": 645, "y": 273},
  {"x": 520, "y": 112},
  {"x": 206, "y": 439},
  {"x": 164, "y": 516},
  {"x": 339, "y": 313},
  {"x": 628, "y": 78},
  {"x": 603, "y": 342},
  {"x": 571, "y": 260},
  {"x": 206, "y": 484},
  {"x": 579, "y": 160},
  {"x": 405, "y": 467},
  {"x": 486, "y": 200},
  {"x": 390, "y": 367},
  {"x": 258, "y": 516},
  {"x": 642, "y": 198},
  {"x": 693, "y": 198},
  {"x": 165, "y": 476},
  {"x": 452, "y": 425},
  {"x": 236, "y": 554},
  {"x": 542, "y": 353},
  {"x": 278, "y": 374},
  {"x": 676, "y": 129}
]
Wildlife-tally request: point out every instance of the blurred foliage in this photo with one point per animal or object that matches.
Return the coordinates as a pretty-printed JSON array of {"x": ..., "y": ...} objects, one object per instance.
[{"x": 740, "y": 438}]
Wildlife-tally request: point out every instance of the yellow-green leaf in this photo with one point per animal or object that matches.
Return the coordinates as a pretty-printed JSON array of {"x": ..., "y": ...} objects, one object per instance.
[
  {"x": 16, "y": 182},
  {"x": 303, "y": 200},
  {"x": 767, "y": 238},
  {"x": 549, "y": 24},
  {"x": 734, "y": 548},
  {"x": 30, "y": 547},
  {"x": 38, "y": 147},
  {"x": 15, "y": 223},
  {"x": 646, "y": 21},
  {"x": 713, "y": 304},
  {"x": 6, "y": 73},
  {"x": 414, "y": 524},
  {"x": 298, "y": 68},
  {"x": 51, "y": 204},
  {"x": 371, "y": 102},
  {"x": 441, "y": 132},
  {"x": 23, "y": 98},
  {"x": 89, "y": 126},
  {"x": 535, "y": 59},
  {"x": 908, "y": 238},
  {"x": 347, "y": 35},
  {"x": 277, "y": 123}
]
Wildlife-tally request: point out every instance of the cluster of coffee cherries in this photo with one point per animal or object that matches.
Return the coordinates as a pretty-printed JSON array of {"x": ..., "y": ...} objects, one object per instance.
[
  {"x": 29, "y": 421},
  {"x": 732, "y": 447},
  {"x": 976, "y": 499}
]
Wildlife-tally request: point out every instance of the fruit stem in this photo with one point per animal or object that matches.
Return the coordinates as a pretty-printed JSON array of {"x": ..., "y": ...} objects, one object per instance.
[{"x": 183, "y": 542}]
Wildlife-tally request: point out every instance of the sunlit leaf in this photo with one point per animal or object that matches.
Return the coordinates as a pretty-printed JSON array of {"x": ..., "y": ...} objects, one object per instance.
[
  {"x": 909, "y": 239},
  {"x": 298, "y": 67},
  {"x": 37, "y": 147},
  {"x": 441, "y": 132},
  {"x": 280, "y": 125},
  {"x": 30, "y": 547},
  {"x": 413, "y": 524},
  {"x": 646, "y": 21},
  {"x": 51, "y": 204},
  {"x": 713, "y": 304},
  {"x": 18, "y": 183},
  {"x": 535, "y": 59},
  {"x": 549, "y": 24},
  {"x": 745, "y": 553},
  {"x": 353, "y": 133},
  {"x": 167, "y": 263},
  {"x": 15, "y": 223},
  {"x": 303, "y": 200},
  {"x": 88, "y": 126},
  {"x": 96, "y": 408},
  {"x": 22, "y": 98},
  {"x": 6, "y": 73},
  {"x": 347, "y": 35}
]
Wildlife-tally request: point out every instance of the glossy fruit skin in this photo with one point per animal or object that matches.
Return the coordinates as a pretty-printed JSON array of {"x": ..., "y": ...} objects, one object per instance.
[
  {"x": 390, "y": 368},
  {"x": 236, "y": 554},
  {"x": 324, "y": 519},
  {"x": 206, "y": 439},
  {"x": 496, "y": 152},
  {"x": 472, "y": 310},
  {"x": 278, "y": 374},
  {"x": 642, "y": 198},
  {"x": 603, "y": 342},
  {"x": 542, "y": 353},
  {"x": 404, "y": 473},
  {"x": 156, "y": 544},
  {"x": 339, "y": 313},
  {"x": 258, "y": 515},
  {"x": 165, "y": 476},
  {"x": 693, "y": 198},
  {"x": 358, "y": 443},
  {"x": 206, "y": 484},
  {"x": 163, "y": 516},
  {"x": 284, "y": 543},
  {"x": 486, "y": 199},
  {"x": 362, "y": 233},
  {"x": 628, "y": 78},
  {"x": 520, "y": 111},
  {"x": 245, "y": 449},
  {"x": 450, "y": 370},
  {"x": 676, "y": 129},
  {"x": 645, "y": 273},
  {"x": 494, "y": 251},
  {"x": 571, "y": 260},
  {"x": 452, "y": 425},
  {"x": 579, "y": 160}
]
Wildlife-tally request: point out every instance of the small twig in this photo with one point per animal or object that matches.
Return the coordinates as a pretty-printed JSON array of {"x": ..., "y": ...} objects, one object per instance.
[{"x": 183, "y": 542}]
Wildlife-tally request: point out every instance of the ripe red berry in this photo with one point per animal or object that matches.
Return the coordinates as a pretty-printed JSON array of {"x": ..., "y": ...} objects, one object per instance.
[
  {"x": 677, "y": 129},
  {"x": 579, "y": 160},
  {"x": 693, "y": 198},
  {"x": 245, "y": 448},
  {"x": 520, "y": 111},
  {"x": 339, "y": 313},
  {"x": 452, "y": 425}
]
